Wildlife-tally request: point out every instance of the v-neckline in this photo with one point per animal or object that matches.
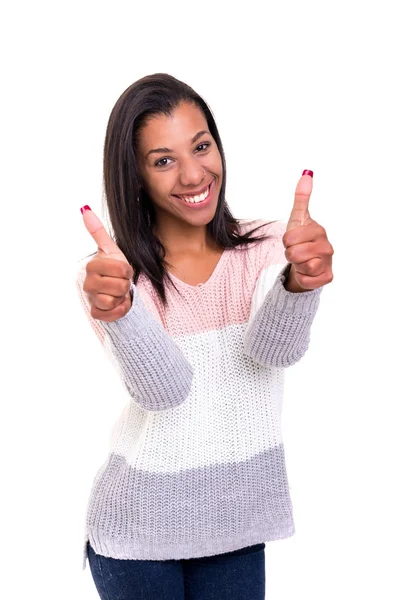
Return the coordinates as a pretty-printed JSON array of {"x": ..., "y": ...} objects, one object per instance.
[{"x": 213, "y": 275}]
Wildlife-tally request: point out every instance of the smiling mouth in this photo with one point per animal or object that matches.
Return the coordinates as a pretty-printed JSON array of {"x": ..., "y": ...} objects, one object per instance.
[{"x": 195, "y": 198}]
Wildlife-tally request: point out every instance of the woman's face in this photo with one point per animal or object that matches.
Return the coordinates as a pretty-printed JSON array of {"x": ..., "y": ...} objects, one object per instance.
[{"x": 178, "y": 156}]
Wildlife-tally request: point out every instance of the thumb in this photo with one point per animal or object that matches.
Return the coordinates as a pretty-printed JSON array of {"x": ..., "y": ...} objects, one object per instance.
[
  {"x": 300, "y": 215},
  {"x": 95, "y": 227}
]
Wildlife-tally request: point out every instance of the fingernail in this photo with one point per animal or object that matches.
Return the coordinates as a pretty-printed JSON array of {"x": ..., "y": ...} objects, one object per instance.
[
  {"x": 86, "y": 207},
  {"x": 307, "y": 172}
]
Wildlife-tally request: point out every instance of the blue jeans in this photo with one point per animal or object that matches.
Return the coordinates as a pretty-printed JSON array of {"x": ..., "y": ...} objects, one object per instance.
[{"x": 237, "y": 575}]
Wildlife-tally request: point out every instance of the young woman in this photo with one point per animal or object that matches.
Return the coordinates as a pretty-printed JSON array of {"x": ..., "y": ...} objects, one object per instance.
[{"x": 200, "y": 317}]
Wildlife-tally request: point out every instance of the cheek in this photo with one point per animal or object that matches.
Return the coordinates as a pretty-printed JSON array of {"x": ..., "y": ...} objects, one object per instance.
[
  {"x": 215, "y": 162},
  {"x": 159, "y": 183}
]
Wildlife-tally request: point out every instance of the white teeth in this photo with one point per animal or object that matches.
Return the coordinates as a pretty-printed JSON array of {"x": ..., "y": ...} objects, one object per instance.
[{"x": 196, "y": 199}]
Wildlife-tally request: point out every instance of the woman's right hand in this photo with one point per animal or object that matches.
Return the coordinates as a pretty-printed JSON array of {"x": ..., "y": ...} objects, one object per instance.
[{"x": 108, "y": 274}]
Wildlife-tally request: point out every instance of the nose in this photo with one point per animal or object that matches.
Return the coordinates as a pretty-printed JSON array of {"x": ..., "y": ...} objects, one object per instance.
[{"x": 191, "y": 173}]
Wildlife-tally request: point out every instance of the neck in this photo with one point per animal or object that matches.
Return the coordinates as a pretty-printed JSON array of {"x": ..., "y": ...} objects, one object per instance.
[{"x": 181, "y": 238}]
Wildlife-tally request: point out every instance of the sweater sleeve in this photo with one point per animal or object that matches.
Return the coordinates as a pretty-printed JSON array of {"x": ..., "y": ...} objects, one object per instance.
[
  {"x": 153, "y": 368},
  {"x": 278, "y": 332}
]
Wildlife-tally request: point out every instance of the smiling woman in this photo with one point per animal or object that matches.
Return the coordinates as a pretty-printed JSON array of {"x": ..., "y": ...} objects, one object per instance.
[
  {"x": 196, "y": 475},
  {"x": 162, "y": 143}
]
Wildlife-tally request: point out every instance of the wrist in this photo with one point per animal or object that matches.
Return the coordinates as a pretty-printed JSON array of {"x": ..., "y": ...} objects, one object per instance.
[{"x": 290, "y": 284}]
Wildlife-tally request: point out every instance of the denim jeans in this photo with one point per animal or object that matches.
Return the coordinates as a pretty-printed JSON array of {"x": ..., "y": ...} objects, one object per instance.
[{"x": 237, "y": 575}]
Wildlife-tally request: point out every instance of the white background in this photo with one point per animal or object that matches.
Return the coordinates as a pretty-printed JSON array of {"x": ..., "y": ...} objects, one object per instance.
[{"x": 293, "y": 86}]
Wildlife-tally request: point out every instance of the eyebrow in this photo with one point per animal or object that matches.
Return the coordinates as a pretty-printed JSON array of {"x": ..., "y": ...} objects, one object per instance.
[{"x": 196, "y": 137}]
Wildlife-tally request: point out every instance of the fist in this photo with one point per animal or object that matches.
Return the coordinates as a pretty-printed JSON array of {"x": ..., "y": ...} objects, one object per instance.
[
  {"x": 108, "y": 274},
  {"x": 307, "y": 246}
]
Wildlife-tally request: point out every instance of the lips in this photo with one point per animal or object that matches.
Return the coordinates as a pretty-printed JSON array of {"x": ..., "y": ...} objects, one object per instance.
[
  {"x": 194, "y": 193},
  {"x": 199, "y": 205}
]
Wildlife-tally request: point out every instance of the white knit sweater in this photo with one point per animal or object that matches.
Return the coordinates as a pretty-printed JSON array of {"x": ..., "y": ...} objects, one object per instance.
[{"x": 196, "y": 465}]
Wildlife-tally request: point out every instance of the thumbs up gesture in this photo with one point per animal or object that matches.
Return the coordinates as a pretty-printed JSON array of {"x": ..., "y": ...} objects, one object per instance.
[
  {"x": 108, "y": 274},
  {"x": 306, "y": 243}
]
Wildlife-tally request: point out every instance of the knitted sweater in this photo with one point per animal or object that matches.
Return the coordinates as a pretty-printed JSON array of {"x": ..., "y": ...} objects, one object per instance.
[{"x": 196, "y": 463}]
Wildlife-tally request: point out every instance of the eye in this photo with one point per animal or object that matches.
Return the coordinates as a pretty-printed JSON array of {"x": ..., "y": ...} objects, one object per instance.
[
  {"x": 157, "y": 164},
  {"x": 206, "y": 144}
]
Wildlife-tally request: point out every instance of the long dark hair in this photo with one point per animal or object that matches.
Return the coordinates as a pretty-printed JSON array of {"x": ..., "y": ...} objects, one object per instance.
[{"x": 130, "y": 209}]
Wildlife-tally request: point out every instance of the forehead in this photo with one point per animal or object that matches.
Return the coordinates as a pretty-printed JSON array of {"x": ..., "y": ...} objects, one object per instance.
[{"x": 179, "y": 127}]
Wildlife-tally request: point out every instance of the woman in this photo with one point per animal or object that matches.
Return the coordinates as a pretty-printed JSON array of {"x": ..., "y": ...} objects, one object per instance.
[{"x": 200, "y": 318}]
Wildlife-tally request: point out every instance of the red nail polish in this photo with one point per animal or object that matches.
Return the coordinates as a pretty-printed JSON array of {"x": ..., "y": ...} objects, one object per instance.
[
  {"x": 86, "y": 207},
  {"x": 307, "y": 172}
]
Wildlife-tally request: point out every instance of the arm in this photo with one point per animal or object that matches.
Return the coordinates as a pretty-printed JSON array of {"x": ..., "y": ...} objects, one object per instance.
[
  {"x": 278, "y": 334},
  {"x": 151, "y": 365}
]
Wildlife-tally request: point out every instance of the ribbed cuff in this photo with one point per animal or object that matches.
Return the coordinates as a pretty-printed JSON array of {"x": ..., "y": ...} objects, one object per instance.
[
  {"x": 293, "y": 302},
  {"x": 137, "y": 322}
]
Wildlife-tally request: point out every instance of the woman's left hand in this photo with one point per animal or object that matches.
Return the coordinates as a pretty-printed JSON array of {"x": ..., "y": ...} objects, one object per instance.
[{"x": 306, "y": 243}]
